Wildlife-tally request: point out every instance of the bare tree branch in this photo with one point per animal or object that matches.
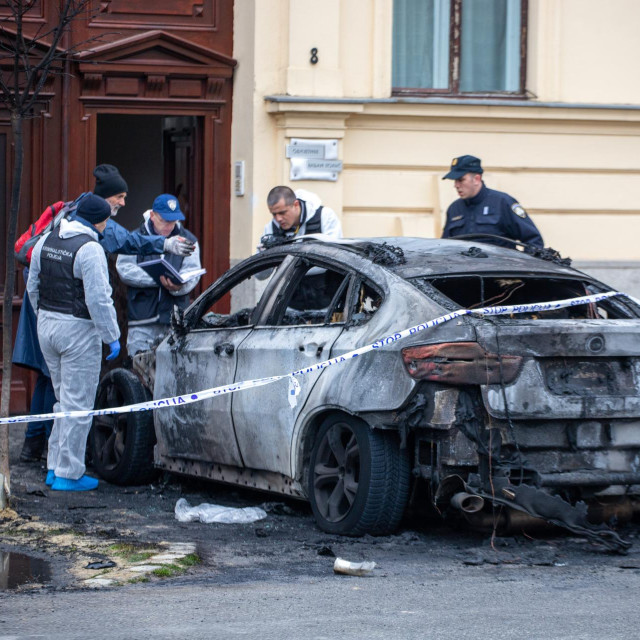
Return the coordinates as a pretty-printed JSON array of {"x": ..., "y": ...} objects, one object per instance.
[
  {"x": 16, "y": 57},
  {"x": 36, "y": 73},
  {"x": 27, "y": 62}
]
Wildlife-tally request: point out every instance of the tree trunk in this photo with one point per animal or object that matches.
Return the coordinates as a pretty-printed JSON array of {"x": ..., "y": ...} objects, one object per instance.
[{"x": 7, "y": 309}]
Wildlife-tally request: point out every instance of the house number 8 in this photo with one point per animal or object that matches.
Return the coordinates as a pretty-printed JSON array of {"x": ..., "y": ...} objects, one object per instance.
[{"x": 314, "y": 56}]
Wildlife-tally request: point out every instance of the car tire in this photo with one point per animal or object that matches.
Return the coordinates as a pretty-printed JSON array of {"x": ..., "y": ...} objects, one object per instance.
[
  {"x": 358, "y": 480},
  {"x": 121, "y": 445}
]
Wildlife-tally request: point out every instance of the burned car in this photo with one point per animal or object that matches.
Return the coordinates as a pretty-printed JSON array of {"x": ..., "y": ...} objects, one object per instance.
[{"x": 535, "y": 412}]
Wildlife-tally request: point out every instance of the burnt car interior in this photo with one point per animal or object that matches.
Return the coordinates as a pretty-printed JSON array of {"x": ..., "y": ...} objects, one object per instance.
[
  {"x": 325, "y": 298},
  {"x": 368, "y": 301},
  {"x": 316, "y": 295},
  {"x": 244, "y": 297},
  {"x": 313, "y": 294},
  {"x": 476, "y": 290}
]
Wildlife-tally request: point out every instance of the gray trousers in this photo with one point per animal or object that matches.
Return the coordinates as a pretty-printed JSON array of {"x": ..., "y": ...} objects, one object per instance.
[{"x": 72, "y": 349}]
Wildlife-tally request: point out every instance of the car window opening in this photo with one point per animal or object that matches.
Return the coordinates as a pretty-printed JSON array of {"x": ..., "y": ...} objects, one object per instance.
[
  {"x": 318, "y": 297},
  {"x": 477, "y": 290},
  {"x": 367, "y": 303},
  {"x": 242, "y": 299}
]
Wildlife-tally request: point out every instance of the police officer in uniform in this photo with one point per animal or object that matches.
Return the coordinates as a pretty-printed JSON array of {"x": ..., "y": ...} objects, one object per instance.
[
  {"x": 483, "y": 210},
  {"x": 151, "y": 302},
  {"x": 69, "y": 287}
]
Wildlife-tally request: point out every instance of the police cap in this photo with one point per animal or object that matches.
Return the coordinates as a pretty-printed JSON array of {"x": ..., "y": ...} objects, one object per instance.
[{"x": 463, "y": 165}]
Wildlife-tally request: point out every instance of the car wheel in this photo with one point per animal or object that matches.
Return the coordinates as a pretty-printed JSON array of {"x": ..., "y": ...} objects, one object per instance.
[
  {"x": 358, "y": 478},
  {"x": 121, "y": 445}
]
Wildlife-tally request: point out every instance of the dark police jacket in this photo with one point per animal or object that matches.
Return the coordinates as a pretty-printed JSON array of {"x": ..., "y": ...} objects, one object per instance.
[
  {"x": 492, "y": 212},
  {"x": 147, "y": 305},
  {"x": 60, "y": 291}
]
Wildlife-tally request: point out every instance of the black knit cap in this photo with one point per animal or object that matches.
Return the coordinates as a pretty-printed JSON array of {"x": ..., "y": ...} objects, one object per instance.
[
  {"x": 93, "y": 209},
  {"x": 108, "y": 181}
]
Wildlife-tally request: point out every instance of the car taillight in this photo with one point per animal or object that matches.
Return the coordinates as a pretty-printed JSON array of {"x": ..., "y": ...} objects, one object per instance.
[{"x": 459, "y": 363}]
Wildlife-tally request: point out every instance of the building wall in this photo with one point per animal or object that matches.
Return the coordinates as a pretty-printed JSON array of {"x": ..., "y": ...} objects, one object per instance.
[
  {"x": 569, "y": 153},
  {"x": 132, "y": 58}
]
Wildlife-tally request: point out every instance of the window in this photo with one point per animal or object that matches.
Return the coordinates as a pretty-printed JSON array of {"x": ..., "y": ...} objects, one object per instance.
[
  {"x": 459, "y": 47},
  {"x": 367, "y": 302},
  {"x": 316, "y": 296},
  {"x": 242, "y": 296},
  {"x": 481, "y": 290}
]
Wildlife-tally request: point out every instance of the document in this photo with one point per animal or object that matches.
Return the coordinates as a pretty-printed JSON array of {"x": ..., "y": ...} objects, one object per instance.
[{"x": 160, "y": 267}]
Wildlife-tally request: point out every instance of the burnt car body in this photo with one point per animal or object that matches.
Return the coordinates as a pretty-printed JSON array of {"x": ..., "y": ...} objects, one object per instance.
[{"x": 528, "y": 410}]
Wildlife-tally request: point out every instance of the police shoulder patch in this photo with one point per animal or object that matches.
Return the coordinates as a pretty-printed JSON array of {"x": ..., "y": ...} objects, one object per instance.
[{"x": 518, "y": 210}]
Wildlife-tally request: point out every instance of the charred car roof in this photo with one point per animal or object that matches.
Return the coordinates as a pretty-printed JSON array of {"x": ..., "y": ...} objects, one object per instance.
[{"x": 429, "y": 256}]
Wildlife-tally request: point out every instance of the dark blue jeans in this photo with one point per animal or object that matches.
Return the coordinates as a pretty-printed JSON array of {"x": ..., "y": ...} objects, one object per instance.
[{"x": 42, "y": 401}]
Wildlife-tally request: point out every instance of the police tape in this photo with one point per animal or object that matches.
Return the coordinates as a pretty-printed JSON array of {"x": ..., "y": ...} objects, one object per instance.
[{"x": 294, "y": 385}]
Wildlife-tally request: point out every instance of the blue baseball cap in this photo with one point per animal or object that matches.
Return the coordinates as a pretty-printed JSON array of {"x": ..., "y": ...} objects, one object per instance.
[
  {"x": 462, "y": 165},
  {"x": 167, "y": 207}
]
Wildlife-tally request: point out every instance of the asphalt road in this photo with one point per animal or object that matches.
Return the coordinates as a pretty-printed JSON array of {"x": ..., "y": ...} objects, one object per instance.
[
  {"x": 407, "y": 599},
  {"x": 274, "y": 578}
]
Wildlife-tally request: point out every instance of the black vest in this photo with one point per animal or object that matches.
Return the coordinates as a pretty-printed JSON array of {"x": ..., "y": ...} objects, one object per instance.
[
  {"x": 59, "y": 290},
  {"x": 154, "y": 304},
  {"x": 314, "y": 224}
]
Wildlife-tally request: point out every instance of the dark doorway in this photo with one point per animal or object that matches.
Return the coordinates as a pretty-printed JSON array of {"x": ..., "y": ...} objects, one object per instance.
[
  {"x": 155, "y": 154},
  {"x": 182, "y": 177}
]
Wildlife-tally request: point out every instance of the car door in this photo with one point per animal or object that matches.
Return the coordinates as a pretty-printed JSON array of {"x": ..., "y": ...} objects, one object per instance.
[
  {"x": 205, "y": 357},
  {"x": 298, "y": 332}
]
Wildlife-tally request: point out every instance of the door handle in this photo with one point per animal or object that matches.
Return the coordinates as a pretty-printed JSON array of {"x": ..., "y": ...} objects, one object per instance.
[
  {"x": 225, "y": 348},
  {"x": 309, "y": 349}
]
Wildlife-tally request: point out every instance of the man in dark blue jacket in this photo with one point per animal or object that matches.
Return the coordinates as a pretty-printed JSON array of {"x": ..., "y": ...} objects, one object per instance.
[
  {"x": 480, "y": 210},
  {"x": 111, "y": 186}
]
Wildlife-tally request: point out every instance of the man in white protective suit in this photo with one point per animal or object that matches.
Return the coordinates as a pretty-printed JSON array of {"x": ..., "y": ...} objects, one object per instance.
[
  {"x": 297, "y": 214},
  {"x": 69, "y": 288}
]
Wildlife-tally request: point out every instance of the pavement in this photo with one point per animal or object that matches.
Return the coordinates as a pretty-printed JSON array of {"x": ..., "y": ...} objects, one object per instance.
[{"x": 274, "y": 578}]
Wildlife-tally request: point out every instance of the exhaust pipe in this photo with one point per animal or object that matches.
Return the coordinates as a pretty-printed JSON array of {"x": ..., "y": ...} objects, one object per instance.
[
  {"x": 506, "y": 521},
  {"x": 603, "y": 511},
  {"x": 467, "y": 502}
]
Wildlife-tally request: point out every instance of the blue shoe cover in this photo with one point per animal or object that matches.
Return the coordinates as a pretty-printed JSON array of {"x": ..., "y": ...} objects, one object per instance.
[
  {"x": 51, "y": 476},
  {"x": 85, "y": 483}
]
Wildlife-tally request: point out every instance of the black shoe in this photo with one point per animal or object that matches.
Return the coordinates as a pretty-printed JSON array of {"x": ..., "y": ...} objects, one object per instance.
[{"x": 33, "y": 448}]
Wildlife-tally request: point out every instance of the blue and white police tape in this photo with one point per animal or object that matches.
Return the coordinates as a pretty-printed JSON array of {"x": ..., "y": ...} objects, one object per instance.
[{"x": 294, "y": 385}]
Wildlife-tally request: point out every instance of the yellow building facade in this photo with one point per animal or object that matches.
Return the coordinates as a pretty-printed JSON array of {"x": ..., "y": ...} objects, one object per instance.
[{"x": 567, "y": 149}]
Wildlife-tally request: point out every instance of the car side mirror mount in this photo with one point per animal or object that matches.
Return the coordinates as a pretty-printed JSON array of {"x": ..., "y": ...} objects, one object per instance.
[{"x": 178, "y": 325}]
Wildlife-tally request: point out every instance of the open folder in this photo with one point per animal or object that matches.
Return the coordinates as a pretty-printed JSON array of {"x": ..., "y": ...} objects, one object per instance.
[{"x": 160, "y": 267}]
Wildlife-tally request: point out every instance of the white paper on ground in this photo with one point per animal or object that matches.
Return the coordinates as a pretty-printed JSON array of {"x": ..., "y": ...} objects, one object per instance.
[{"x": 353, "y": 568}]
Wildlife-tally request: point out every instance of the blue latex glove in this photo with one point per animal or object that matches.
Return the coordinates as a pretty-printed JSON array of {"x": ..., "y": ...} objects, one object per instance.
[{"x": 115, "y": 350}]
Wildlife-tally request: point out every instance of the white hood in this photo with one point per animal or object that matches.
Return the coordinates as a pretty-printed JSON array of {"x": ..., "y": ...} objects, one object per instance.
[
  {"x": 71, "y": 228},
  {"x": 312, "y": 199}
]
